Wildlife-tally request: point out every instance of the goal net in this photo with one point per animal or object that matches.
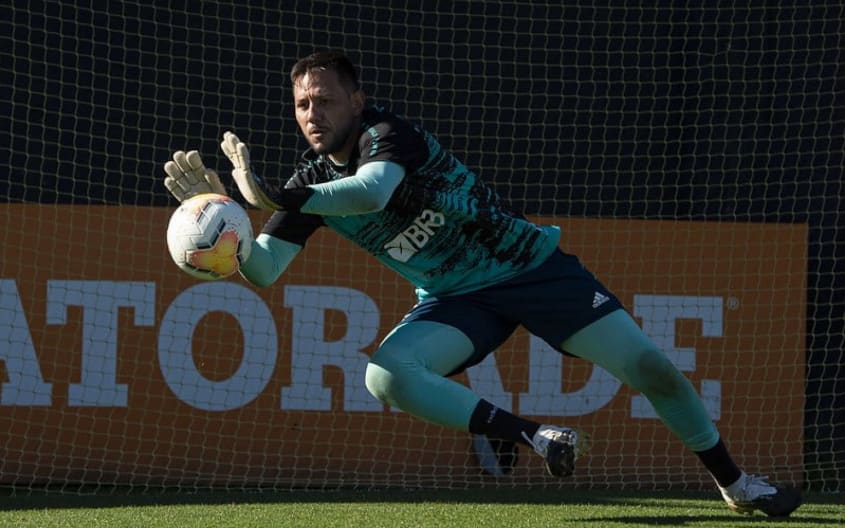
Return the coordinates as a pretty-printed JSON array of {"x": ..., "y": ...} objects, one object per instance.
[{"x": 692, "y": 156}]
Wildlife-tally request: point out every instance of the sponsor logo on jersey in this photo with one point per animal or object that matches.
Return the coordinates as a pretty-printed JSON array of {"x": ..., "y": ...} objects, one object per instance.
[{"x": 408, "y": 243}]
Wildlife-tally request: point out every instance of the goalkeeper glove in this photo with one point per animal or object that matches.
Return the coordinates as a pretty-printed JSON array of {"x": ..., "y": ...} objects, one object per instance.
[
  {"x": 251, "y": 186},
  {"x": 187, "y": 176}
]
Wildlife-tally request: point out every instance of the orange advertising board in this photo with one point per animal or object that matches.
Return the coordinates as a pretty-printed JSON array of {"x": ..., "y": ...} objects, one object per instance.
[{"x": 119, "y": 368}]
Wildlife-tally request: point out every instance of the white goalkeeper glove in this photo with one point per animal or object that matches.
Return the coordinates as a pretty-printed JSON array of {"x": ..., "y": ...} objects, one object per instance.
[
  {"x": 251, "y": 186},
  {"x": 187, "y": 176}
]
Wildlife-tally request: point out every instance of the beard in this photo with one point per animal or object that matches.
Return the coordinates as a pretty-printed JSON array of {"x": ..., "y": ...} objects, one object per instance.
[{"x": 336, "y": 141}]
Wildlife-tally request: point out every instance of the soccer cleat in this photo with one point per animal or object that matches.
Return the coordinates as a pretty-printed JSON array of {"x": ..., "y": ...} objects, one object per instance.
[
  {"x": 752, "y": 492},
  {"x": 560, "y": 446}
]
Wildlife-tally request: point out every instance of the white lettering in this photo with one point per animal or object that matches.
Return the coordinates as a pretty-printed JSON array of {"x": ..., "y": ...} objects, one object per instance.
[
  {"x": 100, "y": 301},
  {"x": 25, "y": 385},
  {"x": 259, "y": 347},
  {"x": 431, "y": 219},
  {"x": 407, "y": 243},
  {"x": 659, "y": 314},
  {"x": 487, "y": 383},
  {"x": 545, "y": 383},
  {"x": 417, "y": 235},
  {"x": 310, "y": 352}
]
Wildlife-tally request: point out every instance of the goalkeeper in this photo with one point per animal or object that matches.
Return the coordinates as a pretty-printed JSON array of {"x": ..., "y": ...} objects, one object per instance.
[{"x": 479, "y": 269}]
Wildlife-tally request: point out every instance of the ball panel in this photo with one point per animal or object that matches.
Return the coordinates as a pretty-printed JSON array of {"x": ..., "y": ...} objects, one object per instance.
[
  {"x": 209, "y": 236},
  {"x": 221, "y": 258}
]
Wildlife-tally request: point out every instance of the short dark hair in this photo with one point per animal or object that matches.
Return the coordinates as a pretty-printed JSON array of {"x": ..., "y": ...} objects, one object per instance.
[{"x": 327, "y": 60}]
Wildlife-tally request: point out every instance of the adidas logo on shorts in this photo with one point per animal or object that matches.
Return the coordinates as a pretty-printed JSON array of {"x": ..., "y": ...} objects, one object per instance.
[{"x": 599, "y": 299}]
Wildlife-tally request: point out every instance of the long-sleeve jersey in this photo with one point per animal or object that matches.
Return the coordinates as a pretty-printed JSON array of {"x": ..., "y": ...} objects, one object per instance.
[{"x": 442, "y": 229}]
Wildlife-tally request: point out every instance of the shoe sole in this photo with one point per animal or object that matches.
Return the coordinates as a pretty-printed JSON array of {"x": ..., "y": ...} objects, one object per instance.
[
  {"x": 560, "y": 461},
  {"x": 789, "y": 502}
]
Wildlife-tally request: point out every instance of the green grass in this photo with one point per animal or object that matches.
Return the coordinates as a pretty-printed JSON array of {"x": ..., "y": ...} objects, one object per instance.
[{"x": 398, "y": 509}]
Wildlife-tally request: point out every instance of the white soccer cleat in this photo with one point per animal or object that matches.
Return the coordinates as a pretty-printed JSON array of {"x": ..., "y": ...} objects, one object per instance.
[
  {"x": 559, "y": 446},
  {"x": 752, "y": 492}
]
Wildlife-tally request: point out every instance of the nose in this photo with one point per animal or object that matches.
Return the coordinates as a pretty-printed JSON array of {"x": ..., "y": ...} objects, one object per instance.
[{"x": 313, "y": 113}]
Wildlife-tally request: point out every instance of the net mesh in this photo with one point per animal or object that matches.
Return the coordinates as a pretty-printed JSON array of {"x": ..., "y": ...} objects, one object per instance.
[{"x": 693, "y": 157}]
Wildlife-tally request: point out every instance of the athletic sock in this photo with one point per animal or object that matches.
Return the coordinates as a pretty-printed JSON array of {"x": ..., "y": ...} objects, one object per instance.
[
  {"x": 495, "y": 422},
  {"x": 719, "y": 463}
]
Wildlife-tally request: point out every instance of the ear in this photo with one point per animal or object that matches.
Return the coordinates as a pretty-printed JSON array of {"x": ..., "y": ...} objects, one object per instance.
[{"x": 359, "y": 99}]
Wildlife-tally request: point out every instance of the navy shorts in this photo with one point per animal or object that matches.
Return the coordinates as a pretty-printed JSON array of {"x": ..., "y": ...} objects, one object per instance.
[{"x": 552, "y": 301}]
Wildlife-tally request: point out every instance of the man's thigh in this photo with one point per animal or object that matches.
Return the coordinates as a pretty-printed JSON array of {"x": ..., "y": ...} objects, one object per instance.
[
  {"x": 553, "y": 301},
  {"x": 484, "y": 329}
]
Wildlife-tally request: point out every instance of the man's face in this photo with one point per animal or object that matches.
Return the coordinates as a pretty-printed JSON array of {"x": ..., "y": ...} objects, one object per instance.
[{"x": 327, "y": 113}]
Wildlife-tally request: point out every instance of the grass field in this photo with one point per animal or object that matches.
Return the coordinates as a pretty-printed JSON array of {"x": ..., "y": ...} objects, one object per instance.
[{"x": 399, "y": 509}]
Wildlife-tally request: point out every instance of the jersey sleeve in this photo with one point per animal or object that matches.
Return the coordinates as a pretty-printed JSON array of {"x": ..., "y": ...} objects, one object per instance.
[
  {"x": 291, "y": 226},
  {"x": 294, "y": 226},
  {"x": 394, "y": 140}
]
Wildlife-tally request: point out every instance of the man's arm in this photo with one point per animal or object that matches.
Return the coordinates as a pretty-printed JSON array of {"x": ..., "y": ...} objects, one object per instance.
[
  {"x": 282, "y": 238},
  {"x": 367, "y": 191},
  {"x": 270, "y": 256}
]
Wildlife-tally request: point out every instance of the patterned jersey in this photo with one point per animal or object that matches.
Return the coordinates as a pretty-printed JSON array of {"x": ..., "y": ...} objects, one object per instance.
[{"x": 443, "y": 229}]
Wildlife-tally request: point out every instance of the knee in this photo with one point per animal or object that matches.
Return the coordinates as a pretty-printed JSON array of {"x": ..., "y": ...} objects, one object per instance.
[
  {"x": 379, "y": 382},
  {"x": 651, "y": 372},
  {"x": 385, "y": 374}
]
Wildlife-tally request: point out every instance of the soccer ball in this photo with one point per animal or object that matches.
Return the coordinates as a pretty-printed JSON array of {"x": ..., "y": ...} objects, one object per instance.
[{"x": 209, "y": 236}]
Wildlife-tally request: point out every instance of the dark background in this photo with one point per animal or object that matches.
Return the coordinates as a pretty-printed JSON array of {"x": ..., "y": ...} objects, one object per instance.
[{"x": 652, "y": 110}]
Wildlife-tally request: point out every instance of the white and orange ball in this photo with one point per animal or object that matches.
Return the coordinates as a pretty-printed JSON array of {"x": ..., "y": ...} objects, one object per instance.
[{"x": 209, "y": 236}]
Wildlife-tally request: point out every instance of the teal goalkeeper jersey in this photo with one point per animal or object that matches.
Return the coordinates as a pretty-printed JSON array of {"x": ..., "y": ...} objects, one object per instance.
[{"x": 443, "y": 229}]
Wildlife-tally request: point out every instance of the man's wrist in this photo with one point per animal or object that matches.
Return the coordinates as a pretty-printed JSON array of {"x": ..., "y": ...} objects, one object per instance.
[{"x": 293, "y": 199}]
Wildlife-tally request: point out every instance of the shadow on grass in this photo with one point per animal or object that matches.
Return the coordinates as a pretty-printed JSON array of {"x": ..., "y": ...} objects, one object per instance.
[
  {"x": 734, "y": 520},
  {"x": 112, "y": 497}
]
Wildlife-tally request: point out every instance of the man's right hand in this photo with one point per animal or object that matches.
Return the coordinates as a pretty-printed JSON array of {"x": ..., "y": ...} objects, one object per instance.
[
  {"x": 187, "y": 176},
  {"x": 250, "y": 185}
]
